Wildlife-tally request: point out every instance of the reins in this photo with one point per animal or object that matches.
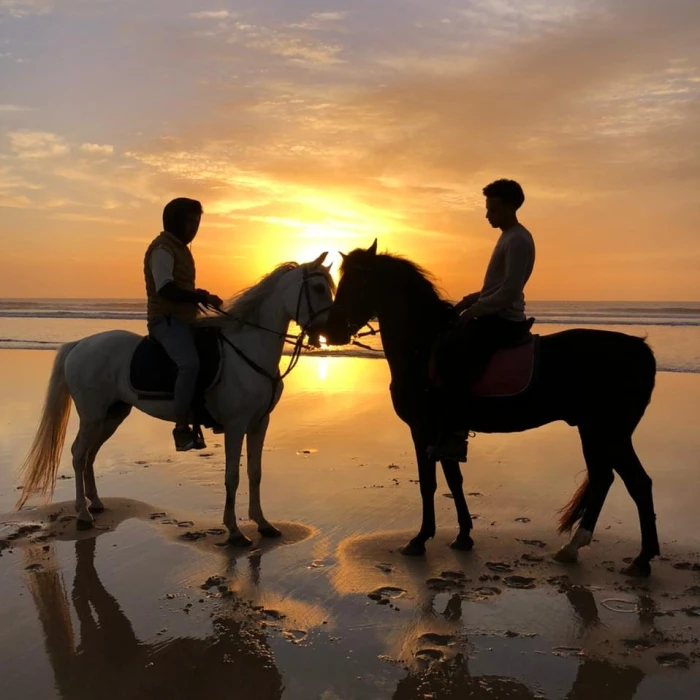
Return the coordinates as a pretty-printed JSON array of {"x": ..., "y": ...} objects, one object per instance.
[{"x": 296, "y": 340}]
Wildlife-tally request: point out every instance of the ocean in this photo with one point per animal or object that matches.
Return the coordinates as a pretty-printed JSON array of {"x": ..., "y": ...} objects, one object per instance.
[{"x": 672, "y": 328}]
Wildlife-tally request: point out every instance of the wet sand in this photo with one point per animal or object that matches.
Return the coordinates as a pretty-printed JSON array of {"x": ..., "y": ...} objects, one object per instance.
[{"x": 150, "y": 605}]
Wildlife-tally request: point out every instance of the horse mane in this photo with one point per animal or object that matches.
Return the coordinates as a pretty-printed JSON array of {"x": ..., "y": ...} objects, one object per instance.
[
  {"x": 246, "y": 304},
  {"x": 418, "y": 278}
]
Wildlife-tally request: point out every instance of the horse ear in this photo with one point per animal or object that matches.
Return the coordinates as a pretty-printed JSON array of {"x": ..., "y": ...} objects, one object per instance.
[
  {"x": 319, "y": 260},
  {"x": 327, "y": 268},
  {"x": 372, "y": 250},
  {"x": 342, "y": 255}
]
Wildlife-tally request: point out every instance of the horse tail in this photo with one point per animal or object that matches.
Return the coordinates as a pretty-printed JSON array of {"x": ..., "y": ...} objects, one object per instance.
[
  {"x": 38, "y": 473},
  {"x": 573, "y": 511}
]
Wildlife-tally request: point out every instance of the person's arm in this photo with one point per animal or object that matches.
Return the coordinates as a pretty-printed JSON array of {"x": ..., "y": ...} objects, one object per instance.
[
  {"x": 162, "y": 264},
  {"x": 467, "y": 301},
  {"x": 519, "y": 258}
]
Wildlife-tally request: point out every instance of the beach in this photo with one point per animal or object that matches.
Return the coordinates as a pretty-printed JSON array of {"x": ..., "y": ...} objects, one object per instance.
[{"x": 150, "y": 604}]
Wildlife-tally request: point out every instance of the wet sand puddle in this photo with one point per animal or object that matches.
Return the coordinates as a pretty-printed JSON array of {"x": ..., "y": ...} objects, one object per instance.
[{"x": 503, "y": 621}]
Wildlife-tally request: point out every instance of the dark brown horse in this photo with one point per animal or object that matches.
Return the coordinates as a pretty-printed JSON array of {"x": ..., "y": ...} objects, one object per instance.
[{"x": 599, "y": 381}]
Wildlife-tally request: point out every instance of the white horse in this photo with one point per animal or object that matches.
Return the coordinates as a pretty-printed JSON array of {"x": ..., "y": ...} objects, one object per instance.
[{"x": 95, "y": 373}]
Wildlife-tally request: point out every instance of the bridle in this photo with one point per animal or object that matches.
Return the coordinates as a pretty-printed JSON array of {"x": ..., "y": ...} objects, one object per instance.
[{"x": 296, "y": 340}]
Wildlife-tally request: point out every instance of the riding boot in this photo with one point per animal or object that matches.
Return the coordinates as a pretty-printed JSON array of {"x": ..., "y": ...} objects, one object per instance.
[{"x": 184, "y": 439}]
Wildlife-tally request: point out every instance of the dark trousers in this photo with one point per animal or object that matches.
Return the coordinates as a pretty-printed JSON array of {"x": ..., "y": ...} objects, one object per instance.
[{"x": 461, "y": 358}]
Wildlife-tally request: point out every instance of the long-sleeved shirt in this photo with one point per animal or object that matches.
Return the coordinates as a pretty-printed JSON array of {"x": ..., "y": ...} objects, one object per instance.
[{"x": 507, "y": 274}]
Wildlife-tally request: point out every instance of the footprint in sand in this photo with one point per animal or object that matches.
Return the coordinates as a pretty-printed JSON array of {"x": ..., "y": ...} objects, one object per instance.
[
  {"x": 185, "y": 523},
  {"x": 674, "y": 659},
  {"x": 522, "y": 520},
  {"x": 484, "y": 592},
  {"x": 216, "y": 531},
  {"x": 213, "y": 581},
  {"x": 386, "y": 593},
  {"x": 522, "y": 582},
  {"x": 316, "y": 564},
  {"x": 158, "y": 516},
  {"x": 386, "y": 568},
  {"x": 429, "y": 655},
  {"x": 686, "y": 566},
  {"x": 192, "y": 536},
  {"x": 534, "y": 558},
  {"x": 534, "y": 543},
  {"x": 439, "y": 640},
  {"x": 294, "y": 636},
  {"x": 499, "y": 566},
  {"x": 270, "y": 614}
]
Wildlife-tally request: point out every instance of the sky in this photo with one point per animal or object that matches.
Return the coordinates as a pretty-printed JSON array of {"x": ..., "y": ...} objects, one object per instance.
[{"x": 321, "y": 124}]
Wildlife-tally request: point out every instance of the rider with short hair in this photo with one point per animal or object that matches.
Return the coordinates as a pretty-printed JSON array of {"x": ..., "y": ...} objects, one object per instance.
[
  {"x": 169, "y": 271},
  {"x": 489, "y": 319}
]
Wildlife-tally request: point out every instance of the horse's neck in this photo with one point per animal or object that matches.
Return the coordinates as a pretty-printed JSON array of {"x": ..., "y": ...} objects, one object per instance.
[
  {"x": 408, "y": 330},
  {"x": 268, "y": 340}
]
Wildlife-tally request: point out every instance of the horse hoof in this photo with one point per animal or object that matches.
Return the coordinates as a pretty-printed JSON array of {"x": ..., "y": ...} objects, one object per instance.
[
  {"x": 83, "y": 524},
  {"x": 239, "y": 540},
  {"x": 96, "y": 509},
  {"x": 638, "y": 569},
  {"x": 463, "y": 543},
  {"x": 566, "y": 556},
  {"x": 270, "y": 531},
  {"x": 413, "y": 549}
]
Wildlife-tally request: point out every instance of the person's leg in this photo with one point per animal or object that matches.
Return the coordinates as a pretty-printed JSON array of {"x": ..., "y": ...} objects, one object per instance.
[
  {"x": 177, "y": 340},
  {"x": 472, "y": 348}
]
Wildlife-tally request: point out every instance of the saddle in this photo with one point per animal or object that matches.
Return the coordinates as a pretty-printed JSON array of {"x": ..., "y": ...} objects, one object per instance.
[
  {"x": 511, "y": 369},
  {"x": 153, "y": 373}
]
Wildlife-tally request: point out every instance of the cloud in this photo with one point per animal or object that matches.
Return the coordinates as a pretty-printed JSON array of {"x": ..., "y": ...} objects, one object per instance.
[
  {"x": 88, "y": 218},
  {"x": 15, "y": 108},
  {"x": 97, "y": 149},
  {"x": 37, "y": 144},
  {"x": 295, "y": 47},
  {"x": 17, "y": 9},
  {"x": 212, "y": 14}
]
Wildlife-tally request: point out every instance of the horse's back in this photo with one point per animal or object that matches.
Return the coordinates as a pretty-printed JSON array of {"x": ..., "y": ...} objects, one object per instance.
[{"x": 100, "y": 362}]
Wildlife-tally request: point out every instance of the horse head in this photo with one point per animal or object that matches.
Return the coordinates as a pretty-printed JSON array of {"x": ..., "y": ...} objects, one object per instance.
[
  {"x": 354, "y": 303},
  {"x": 309, "y": 297}
]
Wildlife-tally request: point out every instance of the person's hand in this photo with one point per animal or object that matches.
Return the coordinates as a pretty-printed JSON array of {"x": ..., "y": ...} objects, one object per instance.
[
  {"x": 461, "y": 306},
  {"x": 213, "y": 300}
]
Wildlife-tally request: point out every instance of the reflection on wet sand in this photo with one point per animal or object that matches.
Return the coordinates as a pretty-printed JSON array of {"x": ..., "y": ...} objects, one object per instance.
[
  {"x": 110, "y": 661},
  {"x": 445, "y": 601}
]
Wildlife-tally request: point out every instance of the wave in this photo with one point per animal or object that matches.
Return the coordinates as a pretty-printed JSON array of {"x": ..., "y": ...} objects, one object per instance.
[{"x": 587, "y": 319}]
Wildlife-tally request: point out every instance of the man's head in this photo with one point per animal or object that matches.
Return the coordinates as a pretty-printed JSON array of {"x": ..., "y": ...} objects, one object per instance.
[
  {"x": 181, "y": 217},
  {"x": 503, "y": 199}
]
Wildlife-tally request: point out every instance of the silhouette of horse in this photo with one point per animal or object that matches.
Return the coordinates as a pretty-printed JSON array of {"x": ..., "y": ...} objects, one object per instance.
[
  {"x": 599, "y": 381},
  {"x": 95, "y": 373}
]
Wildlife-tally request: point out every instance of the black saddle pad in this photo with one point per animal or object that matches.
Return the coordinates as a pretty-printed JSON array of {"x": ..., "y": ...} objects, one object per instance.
[{"x": 153, "y": 373}]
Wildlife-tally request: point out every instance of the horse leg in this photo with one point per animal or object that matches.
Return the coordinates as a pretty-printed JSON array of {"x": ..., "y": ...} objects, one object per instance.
[
  {"x": 115, "y": 417},
  {"x": 592, "y": 497},
  {"x": 453, "y": 476},
  {"x": 255, "y": 438},
  {"x": 234, "y": 443},
  {"x": 639, "y": 487},
  {"x": 84, "y": 444},
  {"x": 428, "y": 485}
]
